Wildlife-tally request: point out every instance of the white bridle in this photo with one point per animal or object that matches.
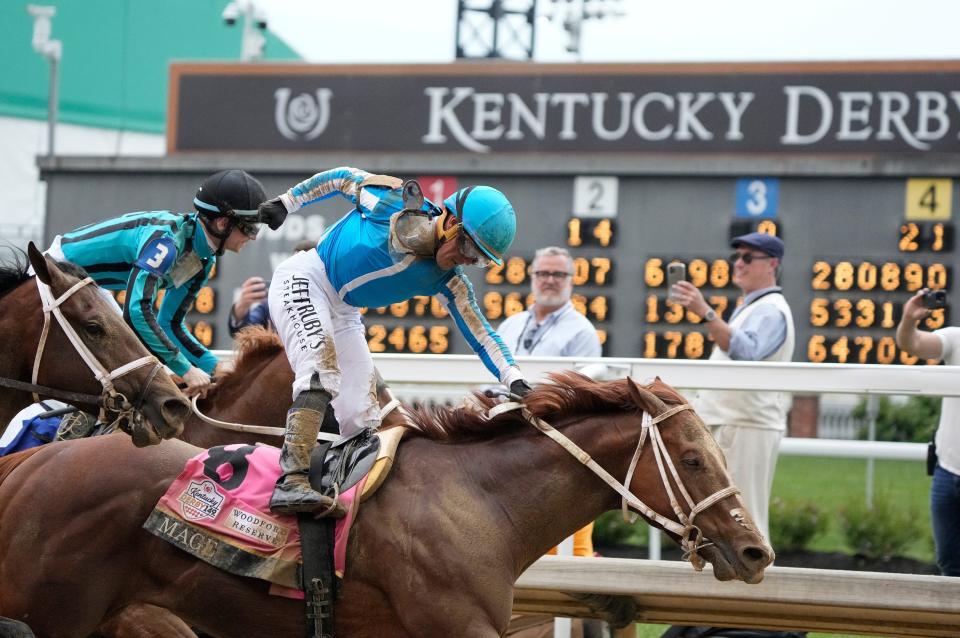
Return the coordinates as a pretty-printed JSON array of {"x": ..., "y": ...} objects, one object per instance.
[
  {"x": 691, "y": 538},
  {"x": 111, "y": 400}
]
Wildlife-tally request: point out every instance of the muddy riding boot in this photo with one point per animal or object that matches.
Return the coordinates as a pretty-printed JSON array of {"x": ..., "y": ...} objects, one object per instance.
[{"x": 293, "y": 492}]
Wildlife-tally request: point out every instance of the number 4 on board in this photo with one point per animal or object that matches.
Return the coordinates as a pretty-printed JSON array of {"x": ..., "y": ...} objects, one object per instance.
[{"x": 929, "y": 199}]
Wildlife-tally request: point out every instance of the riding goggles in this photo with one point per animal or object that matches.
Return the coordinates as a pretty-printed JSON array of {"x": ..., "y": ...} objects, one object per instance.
[
  {"x": 248, "y": 221},
  {"x": 469, "y": 249}
]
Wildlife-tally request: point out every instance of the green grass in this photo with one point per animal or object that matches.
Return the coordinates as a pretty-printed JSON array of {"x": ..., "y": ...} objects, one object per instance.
[{"x": 832, "y": 484}]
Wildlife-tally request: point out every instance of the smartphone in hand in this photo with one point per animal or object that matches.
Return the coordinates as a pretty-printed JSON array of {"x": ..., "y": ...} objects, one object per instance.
[{"x": 676, "y": 271}]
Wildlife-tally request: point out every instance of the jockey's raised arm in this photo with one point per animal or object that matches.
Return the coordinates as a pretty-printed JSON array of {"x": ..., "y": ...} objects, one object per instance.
[{"x": 393, "y": 245}]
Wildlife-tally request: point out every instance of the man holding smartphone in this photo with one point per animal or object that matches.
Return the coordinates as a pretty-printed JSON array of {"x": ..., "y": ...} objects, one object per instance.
[
  {"x": 945, "y": 490},
  {"x": 748, "y": 425}
]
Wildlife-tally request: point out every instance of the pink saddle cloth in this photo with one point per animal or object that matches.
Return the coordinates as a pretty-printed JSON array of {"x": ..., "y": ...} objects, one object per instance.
[{"x": 218, "y": 510}]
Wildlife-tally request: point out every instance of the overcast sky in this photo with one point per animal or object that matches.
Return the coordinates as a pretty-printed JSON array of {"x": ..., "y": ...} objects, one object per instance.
[{"x": 649, "y": 31}]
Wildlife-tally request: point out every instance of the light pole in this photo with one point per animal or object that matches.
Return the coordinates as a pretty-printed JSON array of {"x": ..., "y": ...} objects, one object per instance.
[
  {"x": 254, "y": 23},
  {"x": 51, "y": 50},
  {"x": 571, "y": 14}
]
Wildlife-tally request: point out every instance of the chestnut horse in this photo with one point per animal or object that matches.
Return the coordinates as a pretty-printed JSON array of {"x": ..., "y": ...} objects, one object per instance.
[
  {"x": 128, "y": 375},
  {"x": 472, "y": 501}
]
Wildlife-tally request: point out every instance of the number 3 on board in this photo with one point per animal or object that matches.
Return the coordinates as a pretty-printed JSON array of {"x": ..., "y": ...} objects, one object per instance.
[{"x": 929, "y": 199}]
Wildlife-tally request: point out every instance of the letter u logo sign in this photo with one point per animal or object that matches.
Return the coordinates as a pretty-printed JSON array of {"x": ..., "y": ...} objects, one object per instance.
[{"x": 303, "y": 117}]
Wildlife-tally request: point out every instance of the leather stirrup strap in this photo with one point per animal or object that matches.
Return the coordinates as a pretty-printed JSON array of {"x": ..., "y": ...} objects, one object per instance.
[{"x": 316, "y": 546}]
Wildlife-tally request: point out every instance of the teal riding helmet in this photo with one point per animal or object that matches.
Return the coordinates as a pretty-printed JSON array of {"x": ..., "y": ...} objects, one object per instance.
[{"x": 487, "y": 217}]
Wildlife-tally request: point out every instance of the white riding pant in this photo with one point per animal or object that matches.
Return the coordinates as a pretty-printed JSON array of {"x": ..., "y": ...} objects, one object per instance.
[
  {"x": 751, "y": 460},
  {"x": 56, "y": 252},
  {"x": 324, "y": 335}
]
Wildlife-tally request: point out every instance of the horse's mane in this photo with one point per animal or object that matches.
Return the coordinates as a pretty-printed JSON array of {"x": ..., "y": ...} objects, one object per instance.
[
  {"x": 252, "y": 345},
  {"x": 15, "y": 272},
  {"x": 568, "y": 394},
  {"x": 12, "y": 274}
]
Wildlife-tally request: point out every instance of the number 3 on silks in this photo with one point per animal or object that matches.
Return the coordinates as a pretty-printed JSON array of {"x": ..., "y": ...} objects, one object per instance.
[
  {"x": 158, "y": 255},
  {"x": 757, "y": 198}
]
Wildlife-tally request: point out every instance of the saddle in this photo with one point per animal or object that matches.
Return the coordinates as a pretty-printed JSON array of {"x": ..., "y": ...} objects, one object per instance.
[{"x": 346, "y": 461}]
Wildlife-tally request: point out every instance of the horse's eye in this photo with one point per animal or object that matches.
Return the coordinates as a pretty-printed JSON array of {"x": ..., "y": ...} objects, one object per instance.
[
  {"x": 93, "y": 329},
  {"x": 691, "y": 461}
]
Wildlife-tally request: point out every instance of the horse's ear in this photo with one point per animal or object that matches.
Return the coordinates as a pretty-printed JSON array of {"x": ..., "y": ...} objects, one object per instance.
[
  {"x": 647, "y": 400},
  {"x": 39, "y": 262}
]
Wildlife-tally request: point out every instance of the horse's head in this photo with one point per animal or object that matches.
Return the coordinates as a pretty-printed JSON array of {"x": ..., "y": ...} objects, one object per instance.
[
  {"x": 720, "y": 527},
  {"x": 100, "y": 351}
]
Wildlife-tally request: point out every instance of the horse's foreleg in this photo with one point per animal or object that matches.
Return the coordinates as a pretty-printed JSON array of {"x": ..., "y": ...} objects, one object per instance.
[{"x": 140, "y": 620}]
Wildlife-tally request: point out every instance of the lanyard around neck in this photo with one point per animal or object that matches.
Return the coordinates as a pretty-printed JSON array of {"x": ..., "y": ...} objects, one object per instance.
[{"x": 542, "y": 329}]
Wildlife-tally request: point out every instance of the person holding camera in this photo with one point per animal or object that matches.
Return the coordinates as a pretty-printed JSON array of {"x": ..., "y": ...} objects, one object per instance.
[
  {"x": 250, "y": 308},
  {"x": 748, "y": 425},
  {"x": 941, "y": 344}
]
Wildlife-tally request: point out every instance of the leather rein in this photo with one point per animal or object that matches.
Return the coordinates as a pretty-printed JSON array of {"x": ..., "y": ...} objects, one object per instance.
[
  {"x": 111, "y": 401},
  {"x": 691, "y": 538}
]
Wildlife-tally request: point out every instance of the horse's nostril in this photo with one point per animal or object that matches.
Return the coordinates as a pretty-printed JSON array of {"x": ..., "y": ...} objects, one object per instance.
[
  {"x": 753, "y": 554},
  {"x": 175, "y": 412}
]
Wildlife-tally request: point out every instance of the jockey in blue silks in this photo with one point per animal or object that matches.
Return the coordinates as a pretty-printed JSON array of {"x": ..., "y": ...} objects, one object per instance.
[{"x": 391, "y": 246}]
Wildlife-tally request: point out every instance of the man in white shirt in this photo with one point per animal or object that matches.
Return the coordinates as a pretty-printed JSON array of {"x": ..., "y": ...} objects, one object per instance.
[
  {"x": 748, "y": 425},
  {"x": 945, "y": 489},
  {"x": 551, "y": 327}
]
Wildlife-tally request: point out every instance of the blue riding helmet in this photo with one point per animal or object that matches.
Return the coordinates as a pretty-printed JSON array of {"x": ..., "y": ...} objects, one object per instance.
[{"x": 487, "y": 217}]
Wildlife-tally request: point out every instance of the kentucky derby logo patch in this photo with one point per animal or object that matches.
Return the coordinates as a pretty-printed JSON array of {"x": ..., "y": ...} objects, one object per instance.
[{"x": 201, "y": 500}]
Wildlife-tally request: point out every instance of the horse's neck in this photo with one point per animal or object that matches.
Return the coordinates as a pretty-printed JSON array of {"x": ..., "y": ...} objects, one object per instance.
[
  {"x": 259, "y": 394},
  {"x": 541, "y": 491}
]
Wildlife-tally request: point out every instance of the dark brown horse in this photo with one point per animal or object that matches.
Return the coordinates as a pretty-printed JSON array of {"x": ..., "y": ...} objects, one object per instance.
[
  {"x": 111, "y": 345},
  {"x": 471, "y": 503}
]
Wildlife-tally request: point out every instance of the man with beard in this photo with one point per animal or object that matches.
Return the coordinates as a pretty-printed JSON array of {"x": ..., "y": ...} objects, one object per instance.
[{"x": 552, "y": 327}]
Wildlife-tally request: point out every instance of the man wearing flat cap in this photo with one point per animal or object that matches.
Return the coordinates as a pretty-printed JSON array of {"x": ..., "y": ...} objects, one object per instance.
[{"x": 748, "y": 425}]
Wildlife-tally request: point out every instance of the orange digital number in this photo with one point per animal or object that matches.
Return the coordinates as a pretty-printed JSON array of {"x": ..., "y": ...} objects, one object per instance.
[
  {"x": 516, "y": 270},
  {"x": 377, "y": 334},
  {"x": 908, "y": 238},
  {"x": 601, "y": 268},
  {"x": 653, "y": 272},
  {"x": 598, "y": 307},
  {"x": 417, "y": 339},
  {"x": 573, "y": 233},
  {"x": 439, "y": 342},
  {"x": 821, "y": 276},
  {"x": 581, "y": 271},
  {"x": 719, "y": 273},
  {"x": 493, "y": 305},
  {"x": 203, "y": 331},
  {"x": 603, "y": 232},
  {"x": 206, "y": 301},
  {"x": 495, "y": 274}
]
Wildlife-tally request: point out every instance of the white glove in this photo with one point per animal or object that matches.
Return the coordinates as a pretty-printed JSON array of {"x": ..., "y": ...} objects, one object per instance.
[{"x": 198, "y": 382}]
